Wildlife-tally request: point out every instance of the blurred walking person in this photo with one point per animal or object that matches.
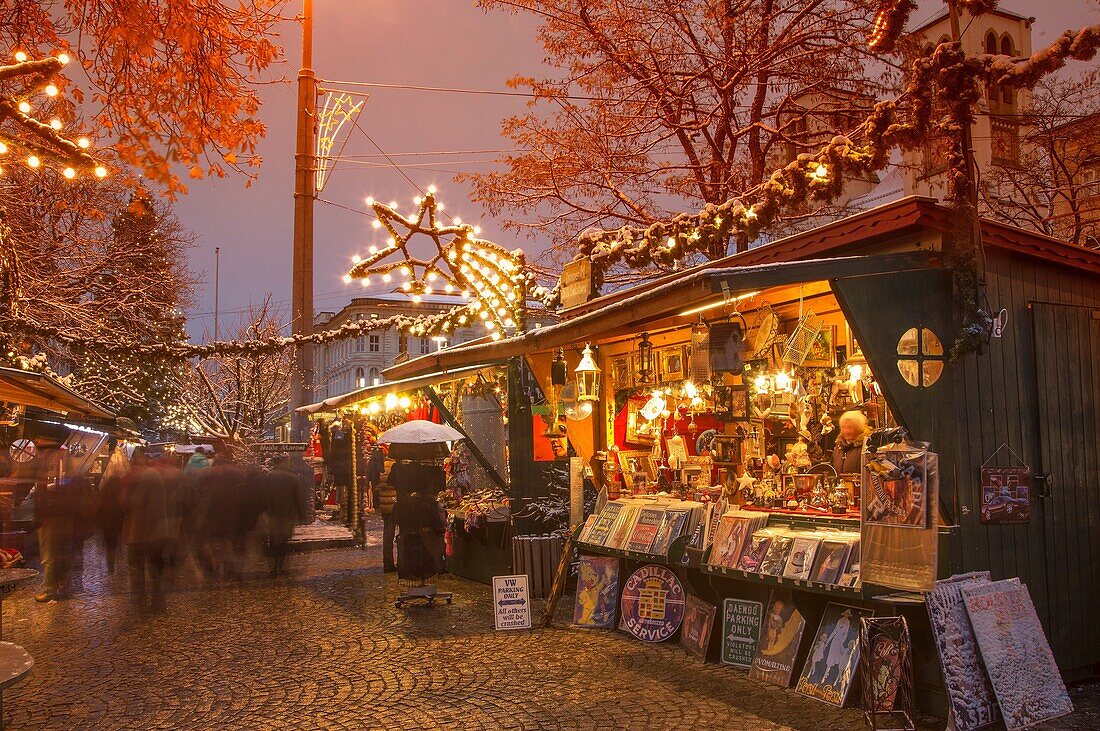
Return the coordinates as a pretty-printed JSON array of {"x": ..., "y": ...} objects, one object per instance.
[
  {"x": 281, "y": 496},
  {"x": 109, "y": 515},
  {"x": 174, "y": 500},
  {"x": 53, "y": 522},
  {"x": 145, "y": 501}
]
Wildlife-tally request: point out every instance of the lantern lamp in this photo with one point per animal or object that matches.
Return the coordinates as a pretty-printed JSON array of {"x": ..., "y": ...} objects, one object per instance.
[
  {"x": 588, "y": 377},
  {"x": 645, "y": 359},
  {"x": 559, "y": 370}
]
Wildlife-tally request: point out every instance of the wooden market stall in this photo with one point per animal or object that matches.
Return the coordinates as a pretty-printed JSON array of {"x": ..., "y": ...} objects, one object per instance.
[
  {"x": 873, "y": 292},
  {"x": 41, "y": 415},
  {"x": 472, "y": 399}
]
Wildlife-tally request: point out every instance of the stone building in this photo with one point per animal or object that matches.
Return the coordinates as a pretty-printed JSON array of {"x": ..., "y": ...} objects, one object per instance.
[{"x": 345, "y": 365}]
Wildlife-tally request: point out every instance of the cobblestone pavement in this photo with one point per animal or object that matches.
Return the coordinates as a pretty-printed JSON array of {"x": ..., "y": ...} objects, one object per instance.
[{"x": 327, "y": 649}]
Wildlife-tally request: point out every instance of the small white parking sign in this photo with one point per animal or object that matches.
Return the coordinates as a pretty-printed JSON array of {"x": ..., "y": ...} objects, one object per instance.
[{"x": 511, "y": 602}]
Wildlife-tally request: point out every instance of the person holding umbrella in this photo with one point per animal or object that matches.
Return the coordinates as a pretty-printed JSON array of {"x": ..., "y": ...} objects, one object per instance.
[{"x": 420, "y": 447}]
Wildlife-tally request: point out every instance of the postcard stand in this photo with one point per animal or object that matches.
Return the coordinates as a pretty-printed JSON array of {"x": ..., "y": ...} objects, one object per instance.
[{"x": 886, "y": 672}]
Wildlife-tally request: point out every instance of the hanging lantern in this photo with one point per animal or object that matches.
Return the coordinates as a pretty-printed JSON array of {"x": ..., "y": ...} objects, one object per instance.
[
  {"x": 645, "y": 359},
  {"x": 559, "y": 377},
  {"x": 559, "y": 369},
  {"x": 699, "y": 364},
  {"x": 588, "y": 377}
]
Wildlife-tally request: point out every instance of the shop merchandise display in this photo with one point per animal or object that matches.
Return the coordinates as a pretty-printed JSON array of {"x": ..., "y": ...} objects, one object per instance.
[
  {"x": 643, "y": 526},
  {"x": 698, "y": 623},
  {"x": 597, "y": 603},
  {"x": 830, "y": 667},
  {"x": 741, "y": 625},
  {"x": 779, "y": 642}
]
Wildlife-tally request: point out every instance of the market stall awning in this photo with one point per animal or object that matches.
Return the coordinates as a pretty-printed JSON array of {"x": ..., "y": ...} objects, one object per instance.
[
  {"x": 395, "y": 387},
  {"x": 29, "y": 388},
  {"x": 681, "y": 296}
]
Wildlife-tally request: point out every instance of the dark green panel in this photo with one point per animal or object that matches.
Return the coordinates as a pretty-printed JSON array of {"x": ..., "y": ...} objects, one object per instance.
[
  {"x": 521, "y": 438},
  {"x": 1067, "y": 341},
  {"x": 880, "y": 308}
]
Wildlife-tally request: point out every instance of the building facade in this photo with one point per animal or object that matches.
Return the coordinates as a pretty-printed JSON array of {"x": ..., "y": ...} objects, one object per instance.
[{"x": 345, "y": 365}]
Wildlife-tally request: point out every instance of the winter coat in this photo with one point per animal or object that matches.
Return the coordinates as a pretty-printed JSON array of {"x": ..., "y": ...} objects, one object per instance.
[
  {"x": 197, "y": 467},
  {"x": 145, "y": 500},
  {"x": 280, "y": 490},
  {"x": 385, "y": 498},
  {"x": 847, "y": 457}
]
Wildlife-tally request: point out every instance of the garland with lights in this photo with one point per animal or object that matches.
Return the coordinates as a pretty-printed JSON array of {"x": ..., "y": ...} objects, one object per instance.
[
  {"x": 495, "y": 281},
  {"x": 41, "y": 141},
  {"x": 946, "y": 78}
]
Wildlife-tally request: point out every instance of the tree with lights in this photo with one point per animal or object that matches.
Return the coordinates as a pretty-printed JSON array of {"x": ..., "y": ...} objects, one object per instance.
[
  {"x": 681, "y": 105},
  {"x": 149, "y": 246},
  {"x": 174, "y": 80}
]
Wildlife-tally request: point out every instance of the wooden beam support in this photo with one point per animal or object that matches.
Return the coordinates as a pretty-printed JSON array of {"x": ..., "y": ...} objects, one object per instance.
[{"x": 470, "y": 444}]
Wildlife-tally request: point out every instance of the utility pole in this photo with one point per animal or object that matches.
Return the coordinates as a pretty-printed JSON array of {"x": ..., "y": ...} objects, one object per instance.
[
  {"x": 302, "y": 286},
  {"x": 217, "y": 282}
]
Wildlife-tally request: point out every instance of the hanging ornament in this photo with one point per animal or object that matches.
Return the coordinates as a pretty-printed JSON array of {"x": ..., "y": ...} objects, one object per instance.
[
  {"x": 699, "y": 364},
  {"x": 645, "y": 360}
]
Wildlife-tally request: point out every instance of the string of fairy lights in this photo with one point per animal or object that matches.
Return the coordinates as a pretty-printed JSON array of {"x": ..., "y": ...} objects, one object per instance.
[
  {"x": 494, "y": 285},
  {"x": 41, "y": 144}
]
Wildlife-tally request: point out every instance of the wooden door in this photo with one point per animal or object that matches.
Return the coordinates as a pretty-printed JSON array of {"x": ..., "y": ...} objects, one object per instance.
[{"x": 1067, "y": 370}]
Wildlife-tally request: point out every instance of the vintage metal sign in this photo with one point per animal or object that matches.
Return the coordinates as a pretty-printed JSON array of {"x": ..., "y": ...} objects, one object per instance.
[
  {"x": 1006, "y": 495},
  {"x": 653, "y": 604},
  {"x": 740, "y": 631}
]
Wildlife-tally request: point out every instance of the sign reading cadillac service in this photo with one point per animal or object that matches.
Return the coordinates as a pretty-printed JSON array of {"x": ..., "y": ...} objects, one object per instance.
[{"x": 652, "y": 604}]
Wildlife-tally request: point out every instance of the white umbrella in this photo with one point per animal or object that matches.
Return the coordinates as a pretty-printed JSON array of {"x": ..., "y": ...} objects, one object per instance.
[{"x": 420, "y": 431}]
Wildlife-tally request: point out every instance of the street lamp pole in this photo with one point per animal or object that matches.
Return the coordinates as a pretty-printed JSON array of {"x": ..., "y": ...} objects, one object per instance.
[
  {"x": 217, "y": 282},
  {"x": 302, "y": 286}
]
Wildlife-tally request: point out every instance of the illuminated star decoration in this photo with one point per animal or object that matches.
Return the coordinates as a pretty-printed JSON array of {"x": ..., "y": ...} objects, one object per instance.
[
  {"x": 42, "y": 143},
  {"x": 493, "y": 280}
]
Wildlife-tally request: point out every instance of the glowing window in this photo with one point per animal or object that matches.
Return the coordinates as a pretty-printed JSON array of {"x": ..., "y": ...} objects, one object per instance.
[{"x": 921, "y": 358}]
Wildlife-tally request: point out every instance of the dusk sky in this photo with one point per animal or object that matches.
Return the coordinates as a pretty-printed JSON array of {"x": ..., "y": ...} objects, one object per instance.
[{"x": 438, "y": 43}]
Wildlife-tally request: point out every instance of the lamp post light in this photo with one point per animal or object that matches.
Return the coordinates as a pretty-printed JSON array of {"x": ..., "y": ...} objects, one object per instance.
[{"x": 588, "y": 377}]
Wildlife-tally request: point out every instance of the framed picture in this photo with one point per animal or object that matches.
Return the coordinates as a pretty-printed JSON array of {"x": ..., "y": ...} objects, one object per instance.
[
  {"x": 822, "y": 352},
  {"x": 694, "y": 477},
  {"x": 727, "y": 449},
  {"x": 854, "y": 349},
  {"x": 739, "y": 404},
  {"x": 636, "y": 462},
  {"x": 672, "y": 363},
  {"x": 622, "y": 376},
  {"x": 781, "y": 406},
  {"x": 639, "y": 430}
]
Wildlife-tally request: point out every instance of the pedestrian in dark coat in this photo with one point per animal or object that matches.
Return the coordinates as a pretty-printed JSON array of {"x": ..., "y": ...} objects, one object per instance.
[
  {"x": 145, "y": 501},
  {"x": 283, "y": 508},
  {"x": 108, "y": 509}
]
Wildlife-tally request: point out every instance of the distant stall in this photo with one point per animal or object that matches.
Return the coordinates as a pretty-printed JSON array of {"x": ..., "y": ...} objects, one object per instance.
[
  {"x": 472, "y": 399},
  {"x": 47, "y": 431}
]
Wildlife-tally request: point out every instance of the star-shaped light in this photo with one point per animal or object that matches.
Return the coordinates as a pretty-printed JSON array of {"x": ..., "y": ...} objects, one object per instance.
[{"x": 492, "y": 279}]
